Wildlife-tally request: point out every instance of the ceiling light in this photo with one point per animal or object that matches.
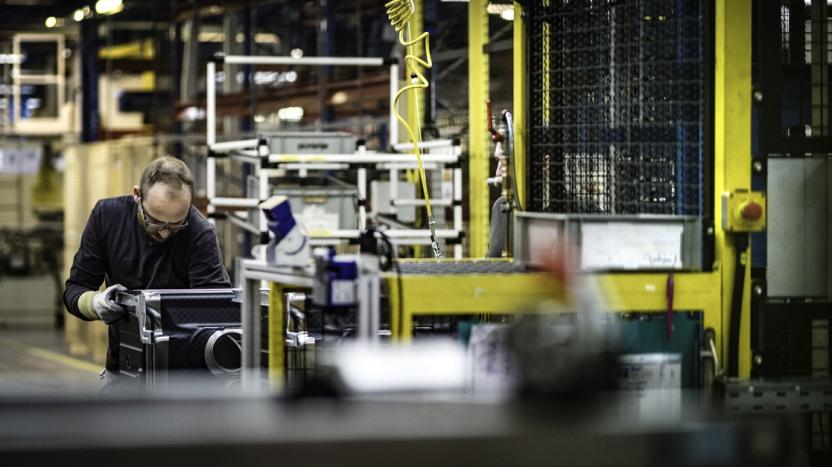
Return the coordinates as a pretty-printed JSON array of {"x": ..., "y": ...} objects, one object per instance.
[
  {"x": 51, "y": 22},
  {"x": 12, "y": 58},
  {"x": 290, "y": 114},
  {"x": 296, "y": 53},
  {"x": 259, "y": 119},
  {"x": 78, "y": 15},
  {"x": 108, "y": 7},
  {"x": 339, "y": 98},
  {"x": 498, "y": 8}
]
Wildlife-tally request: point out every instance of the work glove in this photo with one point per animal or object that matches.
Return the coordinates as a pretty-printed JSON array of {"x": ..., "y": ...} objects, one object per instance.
[{"x": 104, "y": 304}]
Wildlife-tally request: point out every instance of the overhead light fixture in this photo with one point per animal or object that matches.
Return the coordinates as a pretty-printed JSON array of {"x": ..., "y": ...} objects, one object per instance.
[
  {"x": 339, "y": 98},
  {"x": 108, "y": 7},
  {"x": 290, "y": 114},
  {"x": 12, "y": 59},
  {"x": 51, "y": 22},
  {"x": 504, "y": 10},
  {"x": 499, "y": 8},
  {"x": 78, "y": 15},
  {"x": 191, "y": 114},
  {"x": 296, "y": 53},
  {"x": 259, "y": 118}
]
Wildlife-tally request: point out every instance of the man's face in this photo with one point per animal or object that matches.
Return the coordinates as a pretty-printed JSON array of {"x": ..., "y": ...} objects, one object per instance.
[{"x": 161, "y": 211}]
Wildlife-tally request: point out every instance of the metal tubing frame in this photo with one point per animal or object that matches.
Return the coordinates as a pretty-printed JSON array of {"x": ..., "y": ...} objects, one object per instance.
[
  {"x": 520, "y": 109},
  {"x": 394, "y": 89},
  {"x": 252, "y": 272},
  {"x": 478, "y": 140},
  {"x": 313, "y": 61},
  {"x": 210, "y": 76},
  {"x": 210, "y": 138}
]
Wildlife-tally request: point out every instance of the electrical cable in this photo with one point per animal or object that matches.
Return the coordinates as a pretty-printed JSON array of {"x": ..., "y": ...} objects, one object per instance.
[
  {"x": 400, "y": 12},
  {"x": 740, "y": 245}
]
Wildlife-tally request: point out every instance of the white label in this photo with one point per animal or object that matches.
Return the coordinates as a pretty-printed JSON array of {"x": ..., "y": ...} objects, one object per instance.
[
  {"x": 20, "y": 160},
  {"x": 631, "y": 246}
]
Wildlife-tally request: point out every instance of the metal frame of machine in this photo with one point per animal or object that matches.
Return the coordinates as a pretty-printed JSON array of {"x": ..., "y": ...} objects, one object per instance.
[
  {"x": 708, "y": 291},
  {"x": 643, "y": 292},
  {"x": 266, "y": 164}
]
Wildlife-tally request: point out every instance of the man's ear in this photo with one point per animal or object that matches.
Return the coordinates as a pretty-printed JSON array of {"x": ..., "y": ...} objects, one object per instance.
[{"x": 137, "y": 194}]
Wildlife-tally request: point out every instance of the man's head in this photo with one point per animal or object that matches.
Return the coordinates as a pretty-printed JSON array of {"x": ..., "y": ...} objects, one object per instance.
[{"x": 163, "y": 197}]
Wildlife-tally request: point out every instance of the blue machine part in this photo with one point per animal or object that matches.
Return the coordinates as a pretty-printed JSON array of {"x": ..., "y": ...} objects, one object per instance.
[{"x": 281, "y": 220}]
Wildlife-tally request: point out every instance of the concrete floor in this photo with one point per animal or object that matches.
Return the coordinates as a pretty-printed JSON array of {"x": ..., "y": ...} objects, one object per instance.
[{"x": 35, "y": 361}]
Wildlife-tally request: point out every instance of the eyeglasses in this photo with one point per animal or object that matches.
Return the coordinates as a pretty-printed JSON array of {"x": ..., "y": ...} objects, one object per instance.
[{"x": 156, "y": 227}]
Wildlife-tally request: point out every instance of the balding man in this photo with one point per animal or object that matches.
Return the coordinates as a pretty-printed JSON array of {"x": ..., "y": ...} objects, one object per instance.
[{"x": 154, "y": 239}]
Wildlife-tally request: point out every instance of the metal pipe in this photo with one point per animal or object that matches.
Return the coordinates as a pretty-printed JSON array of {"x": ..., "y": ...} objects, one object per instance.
[
  {"x": 458, "y": 209},
  {"x": 421, "y": 202},
  {"x": 226, "y": 146},
  {"x": 263, "y": 195},
  {"x": 332, "y": 166},
  {"x": 362, "y": 193},
  {"x": 394, "y": 89},
  {"x": 369, "y": 158},
  {"x": 439, "y": 143},
  {"x": 234, "y": 202},
  {"x": 407, "y": 166},
  {"x": 210, "y": 138},
  {"x": 393, "y": 185},
  {"x": 313, "y": 61},
  {"x": 210, "y": 111}
]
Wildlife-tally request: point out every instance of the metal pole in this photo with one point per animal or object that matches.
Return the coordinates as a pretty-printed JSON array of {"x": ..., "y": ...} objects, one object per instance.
[
  {"x": 210, "y": 137},
  {"x": 362, "y": 192},
  {"x": 458, "y": 209},
  {"x": 313, "y": 61},
  {"x": 250, "y": 307},
  {"x": 394, "y": 88}
]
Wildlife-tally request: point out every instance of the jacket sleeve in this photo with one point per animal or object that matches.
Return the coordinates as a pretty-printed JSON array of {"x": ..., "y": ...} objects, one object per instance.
[
  {"x": 89, "y": 264},
  {"x": 205, "y": 264}
]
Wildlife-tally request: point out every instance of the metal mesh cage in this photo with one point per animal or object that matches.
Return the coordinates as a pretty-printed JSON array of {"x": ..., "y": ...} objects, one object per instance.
[
  {"x": 617, "y": 106},
  {"x": 792, "y": 88}
]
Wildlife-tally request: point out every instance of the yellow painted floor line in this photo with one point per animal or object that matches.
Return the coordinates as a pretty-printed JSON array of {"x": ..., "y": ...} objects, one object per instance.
[
  {"x": 56, "y": 357},
  {"x": 64, "y": 360}
]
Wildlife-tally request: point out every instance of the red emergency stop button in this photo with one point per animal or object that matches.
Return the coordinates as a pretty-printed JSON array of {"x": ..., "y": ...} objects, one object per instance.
[{"x": 752, "y": 211}]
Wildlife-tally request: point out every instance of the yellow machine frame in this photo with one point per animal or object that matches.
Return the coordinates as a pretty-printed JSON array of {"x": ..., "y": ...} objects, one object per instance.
[
  {"x": 707, "y": 291},
  {"x": 509, "y": 293}
]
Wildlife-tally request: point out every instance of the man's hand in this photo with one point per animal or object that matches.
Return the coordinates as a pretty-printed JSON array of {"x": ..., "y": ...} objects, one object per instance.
[{"x": 105, "y": 306}]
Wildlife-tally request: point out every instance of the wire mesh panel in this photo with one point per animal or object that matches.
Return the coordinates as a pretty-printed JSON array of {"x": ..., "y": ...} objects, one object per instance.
[
  {"x": 617, "y": 106},
  {"x": 792, "y": 88}
]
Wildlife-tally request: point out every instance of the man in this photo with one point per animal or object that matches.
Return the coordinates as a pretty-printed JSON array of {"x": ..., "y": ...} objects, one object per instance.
[{"x": 154, "y": 239}]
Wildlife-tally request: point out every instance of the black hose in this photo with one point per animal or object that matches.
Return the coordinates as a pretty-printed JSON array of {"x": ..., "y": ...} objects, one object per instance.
[{"x": 740, "y": 246}]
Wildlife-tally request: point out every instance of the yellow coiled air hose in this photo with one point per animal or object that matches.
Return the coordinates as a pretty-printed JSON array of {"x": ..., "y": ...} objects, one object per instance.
[{"x": 400, "y": 12}]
